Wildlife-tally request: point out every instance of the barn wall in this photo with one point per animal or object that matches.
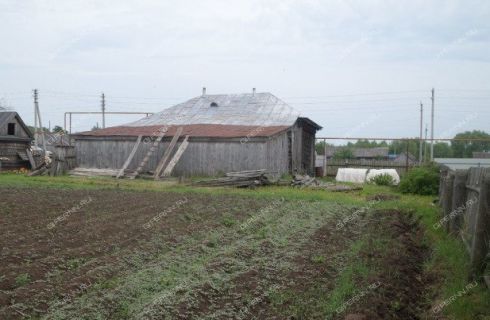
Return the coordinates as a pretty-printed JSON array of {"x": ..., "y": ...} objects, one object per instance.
[{"x": 210, "y": 157}]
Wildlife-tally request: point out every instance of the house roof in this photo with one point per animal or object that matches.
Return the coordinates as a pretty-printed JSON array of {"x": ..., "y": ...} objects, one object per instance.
[
  {"x": 222, "y": 115},
  {"x": 462, "y": 164},
  {"x": 8, "y": 116},
  {"x": 246, "y": 109},
  {"x": 403, "y": 156},
  {"x": 481, "y": 155},
  {"x": 194, "y": 130}
]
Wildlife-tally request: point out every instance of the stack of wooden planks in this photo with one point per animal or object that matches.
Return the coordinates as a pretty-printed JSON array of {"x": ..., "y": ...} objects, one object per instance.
[
  {"x": 303, "y": 181},
  {"x": 93, "y": 172},
  {"x": 251, "y": 178}
]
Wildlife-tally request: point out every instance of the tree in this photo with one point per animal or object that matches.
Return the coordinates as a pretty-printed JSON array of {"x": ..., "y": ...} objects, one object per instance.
[
  {"x": 364, "y": 143},
  {"x": 442, "y": 150},
  {"x": 58, "y": 129},
  {"x": 319, "y": 147},
  {"x": 400, "y": 146},
  {"x": 343, "y": 153},
  {"x": 31, "y": 129},
  {"x": 465, "y": 149}
]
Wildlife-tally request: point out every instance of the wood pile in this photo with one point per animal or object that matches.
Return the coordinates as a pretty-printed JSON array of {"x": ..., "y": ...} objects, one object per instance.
[
  {"x": 251, "y": 178},
  {"x": 93, "y": 172},
  {"x": 303, "y": 181},
  {"x": 42, "y": 168}
]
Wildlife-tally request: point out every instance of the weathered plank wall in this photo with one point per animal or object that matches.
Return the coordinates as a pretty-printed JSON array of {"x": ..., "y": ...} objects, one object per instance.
[
  {"x": 64, "y": 159},
  {"x": 9, "y": 150},
  {"x": 465, "y": 199},
  {"x": 19, "y": 131},
  {"x": 201, "y": 157}
]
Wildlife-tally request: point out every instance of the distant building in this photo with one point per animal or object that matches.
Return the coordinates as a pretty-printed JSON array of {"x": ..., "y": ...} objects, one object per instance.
[
  {"x": 481, "y": 155},
  {"x": 15, "y": 139},
  {"x": 380, "y": 153},
  {"x": 402, "y": 158},
  {"x": 462, "y": 163}
]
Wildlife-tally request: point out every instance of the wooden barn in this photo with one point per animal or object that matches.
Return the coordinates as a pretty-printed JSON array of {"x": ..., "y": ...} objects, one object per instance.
[
  {"x": 222, "y": 133},
  {"x": 15, "y": 140}
]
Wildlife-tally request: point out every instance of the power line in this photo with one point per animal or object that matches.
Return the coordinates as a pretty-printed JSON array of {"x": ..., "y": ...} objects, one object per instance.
[{"x": 358, "y": 94}]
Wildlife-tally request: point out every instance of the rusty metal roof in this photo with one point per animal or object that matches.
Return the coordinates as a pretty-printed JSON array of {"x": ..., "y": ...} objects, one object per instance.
[
  {"x": 194, "y": 130},
  {"x": 247, "y": 109}
]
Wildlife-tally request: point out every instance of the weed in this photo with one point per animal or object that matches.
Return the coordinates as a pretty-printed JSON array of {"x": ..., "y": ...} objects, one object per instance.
[
  {"x": 318, "y": 259},
  {"x": 22, "y": 279}
]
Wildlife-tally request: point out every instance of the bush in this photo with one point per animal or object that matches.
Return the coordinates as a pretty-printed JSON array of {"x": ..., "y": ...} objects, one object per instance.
[
  {"x": 383, "y": 180},
  {"x": 422, "y": 180}
]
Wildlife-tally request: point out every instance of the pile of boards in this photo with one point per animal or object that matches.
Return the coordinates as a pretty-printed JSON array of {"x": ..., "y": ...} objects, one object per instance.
[
  {"x": 92, "y": 172},
  {"x": 44, "y": 167},
  {"x": 303, "y": 181},
  {"x": 251, "y": 178}
]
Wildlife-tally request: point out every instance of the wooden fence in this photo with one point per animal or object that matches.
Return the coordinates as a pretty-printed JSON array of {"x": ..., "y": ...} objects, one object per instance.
[
  {"x": 334, "y": 164},
  {"x": 465, "y": 200},
  {"x": 64, "y": 159}
]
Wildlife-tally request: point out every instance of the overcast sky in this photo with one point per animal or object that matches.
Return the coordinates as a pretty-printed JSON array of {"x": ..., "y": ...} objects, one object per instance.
[{"x": 358, "y": 68}]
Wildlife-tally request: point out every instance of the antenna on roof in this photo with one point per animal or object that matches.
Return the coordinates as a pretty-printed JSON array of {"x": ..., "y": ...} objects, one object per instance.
[
  {"x": 203, "y": 91},
  {"x": 253, "y": 91}
]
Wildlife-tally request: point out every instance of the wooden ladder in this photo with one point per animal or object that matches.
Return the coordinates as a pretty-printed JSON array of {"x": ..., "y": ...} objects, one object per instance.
[
  {"x": 147, "y": 157},
  {"x": 167, "y": 153},
  {"x": 128, "y": 160},
  {"x": 168, "y": 170}
]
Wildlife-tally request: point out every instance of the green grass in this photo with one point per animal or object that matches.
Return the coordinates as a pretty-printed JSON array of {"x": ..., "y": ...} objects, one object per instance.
[
  {"x": 345, "y": 286},
  {"x": 138, "y": 293},
  {"x": 449, "y": 261}
]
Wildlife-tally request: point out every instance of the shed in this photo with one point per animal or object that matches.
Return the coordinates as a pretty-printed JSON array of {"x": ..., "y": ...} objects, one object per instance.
[
  {"x": 227, "y": 132},
  {"x": 15, "y": 139}
]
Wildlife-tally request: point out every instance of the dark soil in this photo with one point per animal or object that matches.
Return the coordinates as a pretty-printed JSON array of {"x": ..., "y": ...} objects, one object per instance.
[
  {"x": 91, "y": 243},
  {"x": 402, "y": 282}
]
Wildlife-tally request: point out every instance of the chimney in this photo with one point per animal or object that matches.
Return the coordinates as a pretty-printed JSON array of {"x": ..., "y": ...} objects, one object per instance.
[
  {"x": 253, "y": 91},
  {"x": 203, "y": 91}
]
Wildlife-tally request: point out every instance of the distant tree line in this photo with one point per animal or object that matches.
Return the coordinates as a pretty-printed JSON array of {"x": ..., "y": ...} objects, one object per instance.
[
  {"x": 56, "y": 129},
  {"x": 456, "y": 149}
]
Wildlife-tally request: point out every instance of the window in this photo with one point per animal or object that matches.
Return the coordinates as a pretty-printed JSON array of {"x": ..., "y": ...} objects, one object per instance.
[
  {"x": 214, "y": 104},
  {"x": 11, "y": 129}
]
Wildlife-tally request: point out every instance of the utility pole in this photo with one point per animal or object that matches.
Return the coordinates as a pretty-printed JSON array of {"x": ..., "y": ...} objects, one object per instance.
[
  {"x": 421, "y": 130},
  {"x": 103, "y": 111},
  {"x": 432, "y": 128},
  {"x": 38, "y": 114},
  {"x": 35, "y": 117},
  {"x": 425, "y": 144}
]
